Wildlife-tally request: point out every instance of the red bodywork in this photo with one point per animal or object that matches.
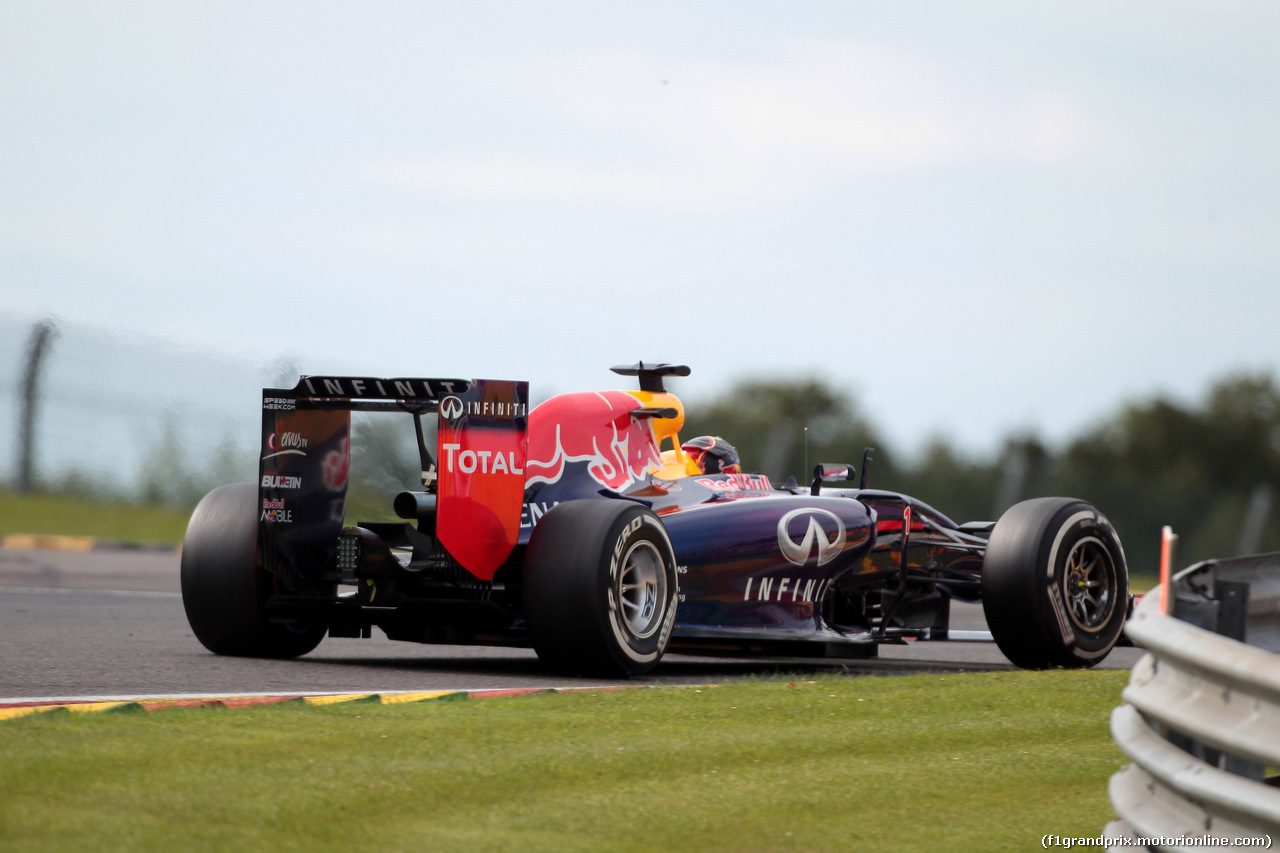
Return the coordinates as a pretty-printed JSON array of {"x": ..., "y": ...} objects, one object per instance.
[{"x": 482, "y": 447}]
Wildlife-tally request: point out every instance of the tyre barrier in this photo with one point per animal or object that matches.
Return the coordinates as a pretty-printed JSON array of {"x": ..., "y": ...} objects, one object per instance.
[{"x": 1201, "y": 722}]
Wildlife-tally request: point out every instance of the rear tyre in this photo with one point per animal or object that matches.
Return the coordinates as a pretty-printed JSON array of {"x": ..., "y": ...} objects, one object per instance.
[
  {"x": 1054, "y": 584},
  {"x": 600, "y": 588},
  {"x": 224, "y": 591}
]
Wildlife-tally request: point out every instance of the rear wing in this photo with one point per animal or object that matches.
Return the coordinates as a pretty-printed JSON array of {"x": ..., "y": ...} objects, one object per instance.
[
  {"x": 482, "y": 444},
  {"x": 368, "y": 394}
]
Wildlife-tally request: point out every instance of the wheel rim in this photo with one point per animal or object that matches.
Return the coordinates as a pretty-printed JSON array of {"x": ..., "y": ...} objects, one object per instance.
[
  {"x": 1089, "y": 584},
  {"x": 642, "y": 588}
]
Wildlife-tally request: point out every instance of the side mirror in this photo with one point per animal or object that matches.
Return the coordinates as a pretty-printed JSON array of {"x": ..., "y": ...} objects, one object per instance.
[{"x": 831, "y": 473}]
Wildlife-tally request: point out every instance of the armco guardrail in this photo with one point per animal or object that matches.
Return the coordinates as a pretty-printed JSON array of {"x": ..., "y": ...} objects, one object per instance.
[{"x": 1201, "y": 721}]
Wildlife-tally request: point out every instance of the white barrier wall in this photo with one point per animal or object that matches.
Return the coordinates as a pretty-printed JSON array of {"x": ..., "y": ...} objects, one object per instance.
[{"x": 1202, "y": 727}]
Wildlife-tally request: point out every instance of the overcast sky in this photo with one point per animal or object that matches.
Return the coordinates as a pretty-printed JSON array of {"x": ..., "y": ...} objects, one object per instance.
[{"x": 977, "y": 217}]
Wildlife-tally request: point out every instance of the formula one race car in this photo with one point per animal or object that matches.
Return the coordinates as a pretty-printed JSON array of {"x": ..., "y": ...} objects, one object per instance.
[{"x": 582, "y": 529}]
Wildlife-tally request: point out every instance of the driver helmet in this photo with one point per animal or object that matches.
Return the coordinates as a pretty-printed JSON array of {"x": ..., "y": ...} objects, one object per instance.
[{"x": 713, "y": 455}]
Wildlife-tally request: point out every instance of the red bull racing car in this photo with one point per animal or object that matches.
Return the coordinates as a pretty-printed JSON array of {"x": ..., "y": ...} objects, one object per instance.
[{"x": 582, "y": 528}]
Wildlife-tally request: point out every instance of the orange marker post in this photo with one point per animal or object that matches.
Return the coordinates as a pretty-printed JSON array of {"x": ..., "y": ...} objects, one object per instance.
[{"x": 1167, "y": 540}]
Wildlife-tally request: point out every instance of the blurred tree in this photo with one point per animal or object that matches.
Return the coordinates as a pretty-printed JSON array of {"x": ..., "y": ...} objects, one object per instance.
[
  {"x": 958, "y": 487},
  {"x": 384, "y": 462},
  {"x": 1242, "y": 431},
  {"x": 767, "y": 420},
  {"x": 166, "y": 477},
  {"x": 230, "y": 463},
  {"x": 172, "y": 476},
  {"x": 84, "y": 485},
  {"x": 384, "y": 452},
  {"x": 1159, "y": 463},
  {"x": 1209, "y": 471}
]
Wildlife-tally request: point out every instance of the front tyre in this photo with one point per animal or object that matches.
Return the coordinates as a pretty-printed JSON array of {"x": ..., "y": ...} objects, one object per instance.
[
  {"x": 600, "y": 588},
  {"x": 224, "y": 591},
  {"x": 1054, "y": 584}
]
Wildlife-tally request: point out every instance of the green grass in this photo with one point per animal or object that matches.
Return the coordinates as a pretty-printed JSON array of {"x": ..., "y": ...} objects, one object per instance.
[
  {"x": 929, "y": 762},
  {"x": 64, "y": 516}
]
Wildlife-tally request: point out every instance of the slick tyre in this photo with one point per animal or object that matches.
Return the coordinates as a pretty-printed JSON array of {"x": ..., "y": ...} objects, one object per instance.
[
  {"x": 1054, "y": 584},
  {"x": 600, "y": 588},
  {"x": 224, "y": 591}
]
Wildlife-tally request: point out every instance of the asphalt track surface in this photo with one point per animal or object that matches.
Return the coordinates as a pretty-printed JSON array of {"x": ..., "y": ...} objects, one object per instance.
[{"x": 110, "y": 624}]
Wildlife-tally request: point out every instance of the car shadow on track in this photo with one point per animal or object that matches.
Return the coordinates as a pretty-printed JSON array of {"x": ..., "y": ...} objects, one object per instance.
[{"x": 673, "y": 669}]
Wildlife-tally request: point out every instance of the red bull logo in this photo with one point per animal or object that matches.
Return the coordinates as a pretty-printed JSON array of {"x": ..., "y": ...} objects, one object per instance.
[
  {"x": 592, "y": 427},
  {"x": 337, "y": 466}
]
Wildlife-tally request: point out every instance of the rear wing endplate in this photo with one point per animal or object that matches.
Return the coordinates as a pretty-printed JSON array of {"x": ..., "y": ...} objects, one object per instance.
[{"x": 306, "y": 454}]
